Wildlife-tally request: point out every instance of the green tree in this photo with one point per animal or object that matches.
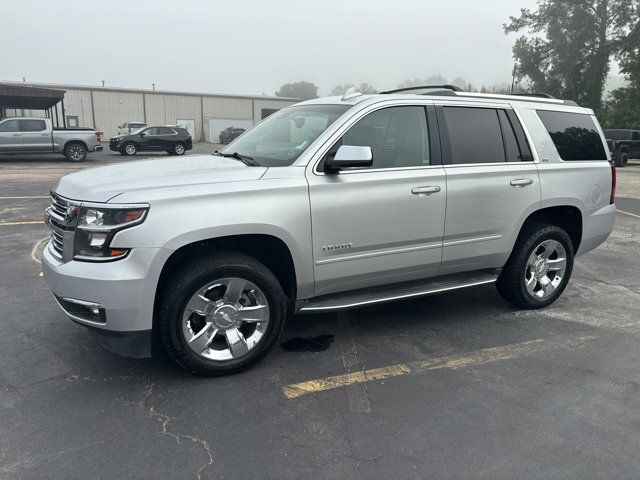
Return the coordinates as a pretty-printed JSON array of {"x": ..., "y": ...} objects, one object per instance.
[
  {"x": 570, "y": 45},
  {"x": 301, "y": 90},
  {"x": 622, "y": 107},
  {"x": 364, "y": 88}
]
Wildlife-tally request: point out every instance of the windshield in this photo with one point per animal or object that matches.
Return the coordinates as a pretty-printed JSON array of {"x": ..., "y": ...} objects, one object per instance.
[{"x": 281, "y": 138}]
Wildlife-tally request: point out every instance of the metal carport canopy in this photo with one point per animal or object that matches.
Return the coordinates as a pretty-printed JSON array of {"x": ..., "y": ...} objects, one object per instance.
[{"x": 32, "y": 98}]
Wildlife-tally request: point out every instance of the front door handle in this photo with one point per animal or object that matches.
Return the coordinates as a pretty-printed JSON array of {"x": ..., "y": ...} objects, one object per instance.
[
  {"x": 425, "y": 191},
  {"x": 521, "y": 182},
  {"x": 16, "y": 134}
]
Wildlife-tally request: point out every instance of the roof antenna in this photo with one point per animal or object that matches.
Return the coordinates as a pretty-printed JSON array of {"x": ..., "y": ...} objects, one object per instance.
[{"x": 351, "y": 92}]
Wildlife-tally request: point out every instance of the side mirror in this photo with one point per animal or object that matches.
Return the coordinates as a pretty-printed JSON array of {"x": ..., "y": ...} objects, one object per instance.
[
  {"x": 349, "y": 156},
  {"x": 143, "y": 135}
]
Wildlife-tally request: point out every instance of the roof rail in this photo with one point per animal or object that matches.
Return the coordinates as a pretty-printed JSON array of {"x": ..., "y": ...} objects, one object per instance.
[
  {"x": 453, "y": 88},
  {"x": 535, "y": 94}
]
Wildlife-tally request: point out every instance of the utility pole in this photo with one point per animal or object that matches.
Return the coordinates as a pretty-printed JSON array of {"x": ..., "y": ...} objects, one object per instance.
[
  {"x": 153, "y": 86},
  {"x": 513, "y": 78},
  {"x": 102, "y": 83}
]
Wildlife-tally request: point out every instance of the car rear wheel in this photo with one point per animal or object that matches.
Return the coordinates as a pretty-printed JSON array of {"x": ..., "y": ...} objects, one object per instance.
[
  {"x": 221, "y": 314},
  {"x": 129, "y": 149},
  {"x": 178, "y": 149},
  {"x": 539, "y": 268},
  {"x": 75, "y": 152}
]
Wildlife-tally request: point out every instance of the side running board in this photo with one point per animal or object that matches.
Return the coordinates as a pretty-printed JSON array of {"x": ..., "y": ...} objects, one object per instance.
[{"x": 398, "y": 291}]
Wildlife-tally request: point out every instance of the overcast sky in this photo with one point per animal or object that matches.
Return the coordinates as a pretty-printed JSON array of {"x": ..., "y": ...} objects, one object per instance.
[{"x": 254, "y": 47}]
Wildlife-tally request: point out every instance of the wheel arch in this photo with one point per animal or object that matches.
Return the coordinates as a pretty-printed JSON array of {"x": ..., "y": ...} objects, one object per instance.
[
  {"x": 270, "y": 250},
  {"x": 567, "y": 217},
  {"x": 68, "y": 143}
]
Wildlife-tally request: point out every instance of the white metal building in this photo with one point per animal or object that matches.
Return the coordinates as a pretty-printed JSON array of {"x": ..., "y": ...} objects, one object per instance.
[{"x": 203, "y": 114}]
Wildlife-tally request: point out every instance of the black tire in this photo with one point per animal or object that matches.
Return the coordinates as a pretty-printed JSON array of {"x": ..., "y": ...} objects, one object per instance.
[
  {"x": 178, "y": 148},
  {"x": 622, "y": 159},
  {"x": 75, "y": 152},
  {"x": 511, "y": 283},
  {"x": 193, "y": 276},
  {"x": 130, "y": 149}
]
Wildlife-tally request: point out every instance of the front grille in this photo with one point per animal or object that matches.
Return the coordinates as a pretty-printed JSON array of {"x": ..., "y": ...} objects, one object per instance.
[{"x": 61, "y": 220}]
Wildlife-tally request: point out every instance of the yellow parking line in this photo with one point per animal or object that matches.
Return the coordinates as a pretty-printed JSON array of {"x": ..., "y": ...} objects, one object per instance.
[
  {"x": 481, "y": 357},
  {"x": 24, "y": 197},
  {"x": 29, "y": 222},
  {"x": 629, "y": 213}
]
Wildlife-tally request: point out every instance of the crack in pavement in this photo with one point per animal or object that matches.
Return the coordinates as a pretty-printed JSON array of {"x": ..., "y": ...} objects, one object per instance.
[{"x": 165, "y": 419}]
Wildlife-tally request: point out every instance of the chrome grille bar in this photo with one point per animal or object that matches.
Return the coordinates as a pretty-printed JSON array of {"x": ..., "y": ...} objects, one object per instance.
[{"x": 62, "y": 227}]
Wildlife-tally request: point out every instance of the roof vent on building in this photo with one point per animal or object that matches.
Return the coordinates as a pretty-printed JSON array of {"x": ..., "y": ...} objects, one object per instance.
[{"x": 351, "y": 92}]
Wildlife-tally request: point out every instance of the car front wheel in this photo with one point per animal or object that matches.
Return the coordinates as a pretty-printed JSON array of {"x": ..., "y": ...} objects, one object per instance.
[
  {"x": 539, "y": 268},
  {"x": 129, "y": 149},
  {"x": 221, "y": 314}
]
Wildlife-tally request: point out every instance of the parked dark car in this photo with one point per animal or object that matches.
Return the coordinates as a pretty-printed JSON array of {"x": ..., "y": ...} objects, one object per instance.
[
  {"x": 229, "y": 134},
  {"x": 623, "y": 145},
  {"x": 173, "y": 140}
]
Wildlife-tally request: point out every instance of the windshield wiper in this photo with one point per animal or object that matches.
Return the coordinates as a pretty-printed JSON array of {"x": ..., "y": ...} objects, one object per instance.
[{"x": 246, "y": 159}]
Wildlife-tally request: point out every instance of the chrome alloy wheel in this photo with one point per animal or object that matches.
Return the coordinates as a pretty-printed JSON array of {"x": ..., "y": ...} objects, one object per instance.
[
  {"x": 76, "y": 152},
  {"x": 130, "y": 149},
  {"x": 225, "y": 319},
  {"x": 179, "y": 149},
  {"x": 545, "y": 269}
]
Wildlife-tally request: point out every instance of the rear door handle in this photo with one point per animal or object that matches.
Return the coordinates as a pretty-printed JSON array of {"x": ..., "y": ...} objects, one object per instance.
[
  {"x": 521, "y": 182},
  {"x": 425, "y": 191},
  {"x": 16, "y": 134}
]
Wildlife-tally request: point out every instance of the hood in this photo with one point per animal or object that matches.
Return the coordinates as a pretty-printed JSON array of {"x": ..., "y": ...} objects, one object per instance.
[{"x": 100, "y": 184}]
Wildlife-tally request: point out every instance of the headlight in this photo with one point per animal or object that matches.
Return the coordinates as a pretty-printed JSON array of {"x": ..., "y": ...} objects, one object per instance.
[{"x": 97, "y": 227}]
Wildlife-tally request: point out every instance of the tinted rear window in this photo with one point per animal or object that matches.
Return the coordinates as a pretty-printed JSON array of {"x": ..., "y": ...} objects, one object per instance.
[{"x": 574, "y": 134}]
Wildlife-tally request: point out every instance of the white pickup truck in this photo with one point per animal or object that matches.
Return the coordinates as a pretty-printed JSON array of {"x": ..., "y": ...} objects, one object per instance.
[{"x": 19, "y": 135}]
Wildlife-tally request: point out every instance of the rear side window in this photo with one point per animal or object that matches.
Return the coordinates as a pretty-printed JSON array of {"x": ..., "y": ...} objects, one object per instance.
[
  {"x": 165, "y": 131},
  {"x": 475, "y": 135},
  {"x": 32, "y": 125},
  {"x": 574, "y": 134}
]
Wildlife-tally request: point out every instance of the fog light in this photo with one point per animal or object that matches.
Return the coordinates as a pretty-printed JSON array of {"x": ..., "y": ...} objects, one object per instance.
[{"x": 97, "y": 239}]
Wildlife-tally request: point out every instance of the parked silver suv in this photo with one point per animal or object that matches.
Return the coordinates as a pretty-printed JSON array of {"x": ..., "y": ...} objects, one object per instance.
[{"x": 330, "y": 204}]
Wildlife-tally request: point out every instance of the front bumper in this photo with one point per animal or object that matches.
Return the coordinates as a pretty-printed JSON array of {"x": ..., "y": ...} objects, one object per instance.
[
  {"x": 124, "y": 289},
  {"x": 115, "y": 147}
]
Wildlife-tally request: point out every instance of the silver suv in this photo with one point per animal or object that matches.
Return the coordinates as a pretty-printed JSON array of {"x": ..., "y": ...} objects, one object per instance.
[{"x": 330, "y": 204}]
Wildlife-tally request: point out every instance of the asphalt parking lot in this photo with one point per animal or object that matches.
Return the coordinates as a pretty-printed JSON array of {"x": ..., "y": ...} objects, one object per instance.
[{"x": 459, "y": 385}]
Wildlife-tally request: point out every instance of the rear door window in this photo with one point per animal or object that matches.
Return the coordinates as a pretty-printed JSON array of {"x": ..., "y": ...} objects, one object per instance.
[
  {"x": 32, "y": 125},
  {"x": 635, "y": 136},
  {"x": 165, "y": 131},
  {"x": 574, "y": 134},
  {"x": 475, "y": 135}
]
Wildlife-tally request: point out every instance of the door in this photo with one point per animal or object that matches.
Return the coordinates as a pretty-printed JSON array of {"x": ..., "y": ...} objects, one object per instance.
[
  {"x": 382, "y": 224},
  {"x": 492, "y": 185},
  {"x": 166, "y": 138},
  {"x": 10, "y": 137},
  {"x": 635, "y": 144},
  {"x": 149, "y": 139},
  {"x": 35, "y": 136},
  {"x": 190, "y": 125}
]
